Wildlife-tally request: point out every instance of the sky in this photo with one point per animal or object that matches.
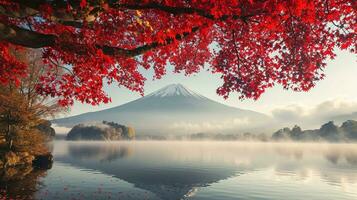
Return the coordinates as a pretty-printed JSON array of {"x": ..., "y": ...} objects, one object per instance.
[{"x": 337, "y": 93}]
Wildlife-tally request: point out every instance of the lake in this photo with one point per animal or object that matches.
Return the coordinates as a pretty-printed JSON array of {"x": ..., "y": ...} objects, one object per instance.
[{"x": 193, "y": 170}]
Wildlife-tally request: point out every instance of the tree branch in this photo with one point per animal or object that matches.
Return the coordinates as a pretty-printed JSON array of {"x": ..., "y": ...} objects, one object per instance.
[
  {"x": 168, "y": 9},
  {"x": 24, "y": 37},
  {"x": 32, "y": 39},
  {"x": 183, "y": 10},
  {"x": 59, "y": 14}
]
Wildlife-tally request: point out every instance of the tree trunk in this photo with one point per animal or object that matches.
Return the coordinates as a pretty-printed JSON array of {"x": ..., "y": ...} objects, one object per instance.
[{"x": 8, "y": 136}]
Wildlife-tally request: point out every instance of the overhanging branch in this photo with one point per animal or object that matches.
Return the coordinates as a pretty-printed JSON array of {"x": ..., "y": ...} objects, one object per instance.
[
  {"x": 31, "y": 39},
  {"x": 24, "y": 37},
  {"x": 168, "y": 9},
  {"x": 183, "y": 10},
  {"x": 60, "y": 15}
]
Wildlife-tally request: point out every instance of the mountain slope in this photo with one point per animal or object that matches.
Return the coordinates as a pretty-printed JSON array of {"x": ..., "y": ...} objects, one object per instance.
[{"x": 173, "y": 109}]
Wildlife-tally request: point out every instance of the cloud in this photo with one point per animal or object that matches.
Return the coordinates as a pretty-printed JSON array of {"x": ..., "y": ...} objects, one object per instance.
[
  {"x": 288, "y": 113},
  {"x": 335, "y": 110}
]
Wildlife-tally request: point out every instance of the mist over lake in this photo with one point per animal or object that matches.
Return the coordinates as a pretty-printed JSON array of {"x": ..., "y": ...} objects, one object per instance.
[{"x": 195, "y": 170}]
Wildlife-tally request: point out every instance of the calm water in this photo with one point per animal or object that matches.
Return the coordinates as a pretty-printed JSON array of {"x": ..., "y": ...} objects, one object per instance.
[{"x": 194, "y": 170}]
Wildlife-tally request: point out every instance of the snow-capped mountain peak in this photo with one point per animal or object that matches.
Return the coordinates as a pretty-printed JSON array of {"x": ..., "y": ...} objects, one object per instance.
[
  {"x": 173, "y": 109},
  {"x": 175, "y": 90}
]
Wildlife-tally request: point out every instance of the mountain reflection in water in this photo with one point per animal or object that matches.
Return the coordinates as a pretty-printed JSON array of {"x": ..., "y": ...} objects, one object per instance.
[
  {"x": 199, "y": 170},
  {"x": 99, "y": 152},
  {"x": 152, "y": 167}
]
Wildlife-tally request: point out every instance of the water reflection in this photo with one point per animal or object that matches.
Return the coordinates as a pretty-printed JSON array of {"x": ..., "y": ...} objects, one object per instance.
[
  {"x": 195, "y": 170},
  {"x": 174, "y": 170},
  {"x": 155, "y": 168},
  {"x": 333, "y": 157},
  {"x": 20, "y": 182},
  {"x": 351, "y": 158},
  {"x": 103, "y": 152},
  {"x": 334, "y": 164}
]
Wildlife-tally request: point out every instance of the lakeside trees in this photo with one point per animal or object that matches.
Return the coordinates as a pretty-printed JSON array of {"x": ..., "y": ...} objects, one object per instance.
[
  {"x": 252, "y": 44},
  {"x": 347, "y": 132},
  {"x": 23, "y": 111},
  {"x": 109, "y": 131}
]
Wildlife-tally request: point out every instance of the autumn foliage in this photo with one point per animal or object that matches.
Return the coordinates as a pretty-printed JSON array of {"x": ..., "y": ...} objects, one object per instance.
[
  {"x": 252, "y": 44},
  {"x": 22, "y": 110}
]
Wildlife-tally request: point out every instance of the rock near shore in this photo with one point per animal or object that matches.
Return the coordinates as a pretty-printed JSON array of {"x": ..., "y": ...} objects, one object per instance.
[{"x": 15, "y": 159}]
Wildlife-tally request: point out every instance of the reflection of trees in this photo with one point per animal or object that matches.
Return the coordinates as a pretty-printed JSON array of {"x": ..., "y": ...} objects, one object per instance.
[
  {"x": 106, "y": 152},
  {"x": 342, "y": 157},
  {"x": 295, "y": 152},
  {"x": 335, "y": 157},
  {"x": 351, "y": 158},
  {"x": 333, "y": 154},
  {"x": 20, "y": 182}
]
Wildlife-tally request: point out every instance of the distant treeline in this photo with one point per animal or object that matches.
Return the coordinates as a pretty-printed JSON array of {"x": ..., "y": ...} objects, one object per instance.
[
  {"x": 327, "y": 132},
  {"x": 347, "y": 132}
]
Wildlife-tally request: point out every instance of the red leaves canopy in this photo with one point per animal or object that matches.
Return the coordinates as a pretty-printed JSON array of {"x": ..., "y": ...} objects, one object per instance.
[{"x": 253, "y": 44}]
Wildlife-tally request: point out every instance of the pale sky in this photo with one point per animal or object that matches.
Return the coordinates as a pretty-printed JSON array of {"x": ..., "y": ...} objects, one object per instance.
[{"x": 340, "y": 84}]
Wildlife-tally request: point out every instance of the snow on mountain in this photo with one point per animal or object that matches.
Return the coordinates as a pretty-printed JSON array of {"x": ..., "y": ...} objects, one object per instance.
[
  {"x": 174, "y": 109},
  {"x": 175, "y": 90}
]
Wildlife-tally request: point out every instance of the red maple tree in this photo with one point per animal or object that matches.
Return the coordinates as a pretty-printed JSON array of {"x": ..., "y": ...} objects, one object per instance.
[{"x": 252, "y": 44}]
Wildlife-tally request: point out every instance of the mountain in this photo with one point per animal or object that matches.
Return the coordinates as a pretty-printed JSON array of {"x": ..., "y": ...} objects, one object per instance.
[{"x": 171, "y": 110}]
